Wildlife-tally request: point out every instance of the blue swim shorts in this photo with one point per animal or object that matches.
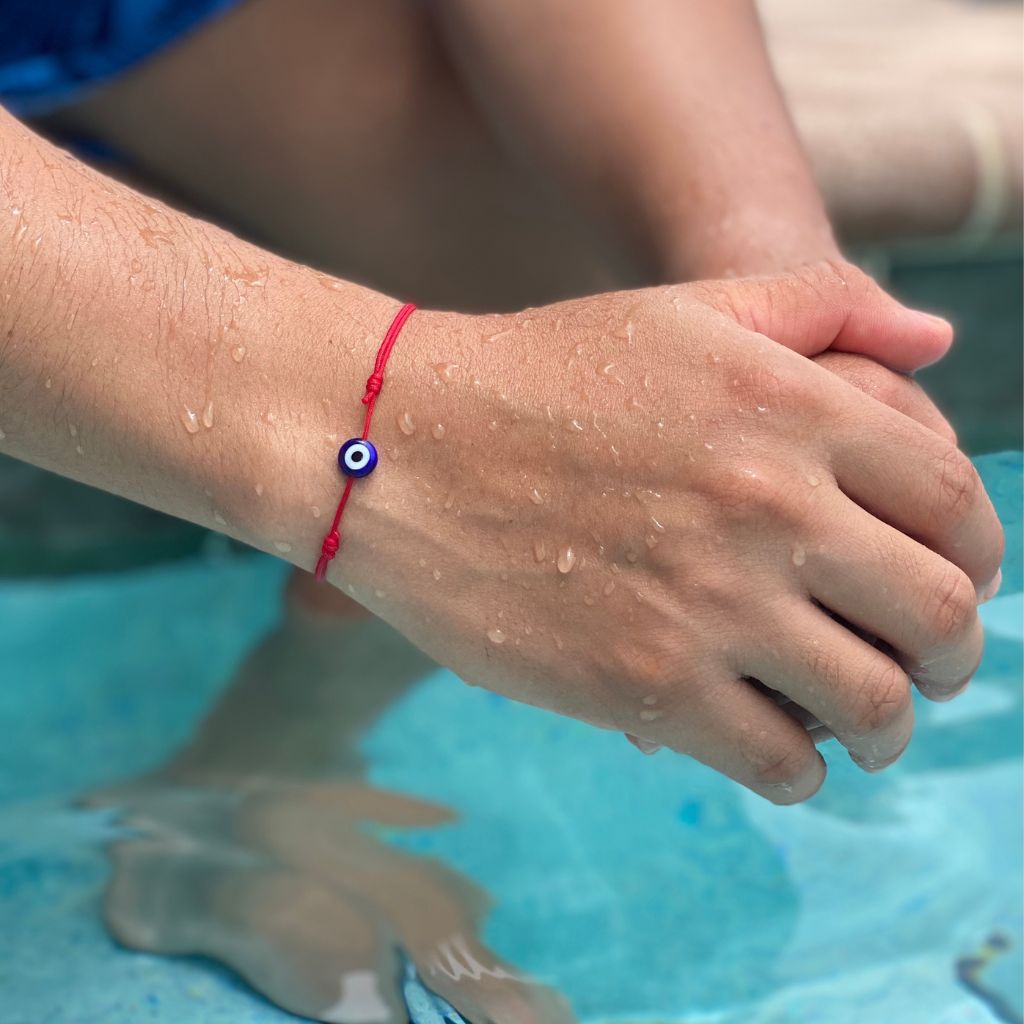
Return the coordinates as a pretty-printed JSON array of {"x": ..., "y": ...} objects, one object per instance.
[{"x": 53, "y": 51}]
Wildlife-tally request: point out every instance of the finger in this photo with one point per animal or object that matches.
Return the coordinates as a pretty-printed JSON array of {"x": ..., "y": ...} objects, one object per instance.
[
  {"x": 787, "y": 704},
  {"x": 919, "y": 483},
  {"x": 855, "y": 691},
  {"x": 831, "y": 305},
  {"x": 923, "y": 607},
  {"x": 741, "y": 733},
  {"x": 895, "y": 390}
]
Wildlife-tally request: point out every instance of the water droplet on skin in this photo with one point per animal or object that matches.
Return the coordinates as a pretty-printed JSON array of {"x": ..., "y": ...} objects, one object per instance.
[
  {"x": 566, "y": 559},
  {"x": 616, "y": 455},
  {"x": 208, "y": 415},
  {"x": 608, "y": 372},
  {"x": 538, "y": 550},
  {"x": 2, "y": 435},
  {"x": 238, "y": 353},
  {"x": 558, "y": 641},
  {"x": 259, "y": 490},
  {"x": 436, "y": 574},
  {"x": 72, "y": 430},
  {"x": 437, "y": 431},
  {"x": 496, "y": 635},
  {"x": 762, "y": 408},
  {"x": 575, "y": 425},
  {"x": 283, "y": 546},
  {"x": 650, "y": 715},
  {"x": 799, "y": 555},
  {"x": 536, "y": 497},
  {"x": 406, "y": 424},
  {"x": 587, "y": 599},
  {"x": 189, "y": 420},
  {"x": 378, "y": 594},
  {"x": 445, "y": 371},
  {"x": 657, "y": 525},
  {"x": 631, "y": 556},
  {"x": 608, "y": 588},
  {"x": 651, "y": 699},
  {"x": 493, "y": 425},
  {"x": 813, "y": 480},
  {"x": 651, "y": 541},
  {"x": 79, "y": 449},
  {"x": 49, "y": 383},
  {"x": 219, "y": 519},
  {"x": 710, "y": 447},
  {"x": 497, "y": 336}
]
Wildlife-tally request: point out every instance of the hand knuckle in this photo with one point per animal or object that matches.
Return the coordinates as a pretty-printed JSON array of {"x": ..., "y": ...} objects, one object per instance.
[
  {"x": 760, "y": 492},
  {"x": 883, "y": 699},
  {"x": 954, "y": 606},
  {"x": 958, "y": 483},
  {"x": 776, "y": 761},
  {"x": 825, "y": 665}
]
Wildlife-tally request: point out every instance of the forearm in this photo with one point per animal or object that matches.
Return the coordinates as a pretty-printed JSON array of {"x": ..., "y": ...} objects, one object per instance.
[
  {"x": 666, "y": 112},
  {"x": 160, "y": 358}
]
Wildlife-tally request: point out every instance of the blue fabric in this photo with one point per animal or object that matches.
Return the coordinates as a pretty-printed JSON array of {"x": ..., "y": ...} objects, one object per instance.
[{"x": 53, "y": 50}]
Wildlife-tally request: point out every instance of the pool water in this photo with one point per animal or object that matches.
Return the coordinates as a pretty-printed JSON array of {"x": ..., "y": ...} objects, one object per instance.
[{"x": 643, "y": 889}]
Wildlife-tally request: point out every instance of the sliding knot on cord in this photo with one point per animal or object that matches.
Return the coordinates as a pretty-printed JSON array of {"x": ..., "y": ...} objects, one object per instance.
[
  {"x": 358, "y": 457},
  {"x": 373, "y": 385},
  {"x": 328, "y": 550}
]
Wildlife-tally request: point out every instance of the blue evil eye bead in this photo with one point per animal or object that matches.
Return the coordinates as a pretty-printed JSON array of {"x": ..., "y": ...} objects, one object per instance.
[{"x": 357, "y": 457}]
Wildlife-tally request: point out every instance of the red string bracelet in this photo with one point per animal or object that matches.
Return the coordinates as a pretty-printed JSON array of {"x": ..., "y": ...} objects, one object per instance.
[{"x": 357, "y": 457}]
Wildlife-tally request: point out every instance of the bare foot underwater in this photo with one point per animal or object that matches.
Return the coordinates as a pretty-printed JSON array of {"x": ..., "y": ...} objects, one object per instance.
[{"x": 259, "y": 844}]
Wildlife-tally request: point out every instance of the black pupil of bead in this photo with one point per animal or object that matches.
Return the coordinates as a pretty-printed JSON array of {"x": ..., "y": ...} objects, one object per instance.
[{"x": 357, "y": 456}]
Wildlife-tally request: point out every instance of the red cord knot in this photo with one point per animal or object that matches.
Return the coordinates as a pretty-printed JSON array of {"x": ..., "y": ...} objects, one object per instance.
[
  {"x": 328, "y": 550},
  {"x": 373, "y": 385}
]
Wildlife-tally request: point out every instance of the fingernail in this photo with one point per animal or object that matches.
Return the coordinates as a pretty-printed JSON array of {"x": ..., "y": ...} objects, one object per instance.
[
  {"x": 991, "y": 589},
  {"x": 878, "y": 764},
  {"x": 869, "y": 764},
  {"x": 944, "y": 698},
  {"x": 645, "y": 746}
]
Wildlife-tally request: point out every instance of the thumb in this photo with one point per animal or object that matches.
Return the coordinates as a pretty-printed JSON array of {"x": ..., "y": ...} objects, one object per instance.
[{"x": 832, "y": 305}]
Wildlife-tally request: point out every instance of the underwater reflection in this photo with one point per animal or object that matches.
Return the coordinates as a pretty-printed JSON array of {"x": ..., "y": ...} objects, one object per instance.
[{"x": 256, "y": 844}]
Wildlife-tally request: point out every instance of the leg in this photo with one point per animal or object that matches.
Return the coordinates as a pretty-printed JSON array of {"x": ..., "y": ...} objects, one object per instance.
[{"x": 238, "y": 117}]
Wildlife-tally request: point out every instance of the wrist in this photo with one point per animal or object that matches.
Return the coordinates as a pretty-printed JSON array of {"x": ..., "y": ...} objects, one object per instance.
[
  {"x": 742, "y": 242},
  {"x": 304, "y": 380}
]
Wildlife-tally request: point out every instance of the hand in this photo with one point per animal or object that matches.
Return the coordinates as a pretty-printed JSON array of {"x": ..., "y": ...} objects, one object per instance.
[
  {"x": 803, "y": 306},
  {"x": 623, "y": 508}
]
